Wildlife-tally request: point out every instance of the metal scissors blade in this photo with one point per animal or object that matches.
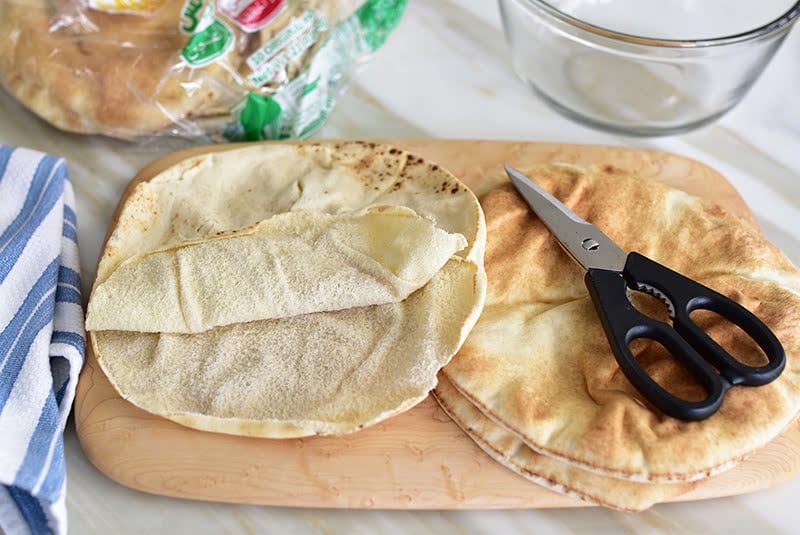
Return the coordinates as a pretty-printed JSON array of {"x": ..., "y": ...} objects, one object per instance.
[{"x": 584, "y": 242}]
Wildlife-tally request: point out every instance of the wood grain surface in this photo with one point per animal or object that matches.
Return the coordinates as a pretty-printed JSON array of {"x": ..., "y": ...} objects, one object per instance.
[{"x": 416, "y": 460}]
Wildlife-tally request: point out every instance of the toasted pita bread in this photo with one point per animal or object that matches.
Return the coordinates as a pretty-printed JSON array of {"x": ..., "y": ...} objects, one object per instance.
[
  {"x": 315, "y": 371},
  {"x": 546, "y": 471},
  {"x": 538, "y": 361}
]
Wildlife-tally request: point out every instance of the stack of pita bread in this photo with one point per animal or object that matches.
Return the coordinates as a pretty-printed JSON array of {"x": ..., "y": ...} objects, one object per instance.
[
  {"x": 536, "y": 385},
  {"x": 288, "y": 290}
]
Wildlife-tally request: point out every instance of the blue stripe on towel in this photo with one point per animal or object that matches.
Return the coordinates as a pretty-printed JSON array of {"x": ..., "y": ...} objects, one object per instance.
[
  {"x": 73, "y": 339},
  {"x": 67, "y": 294},
  {"x": 69, "y": 215},
  {"x": 69, "y": 276},
  {"x": 38, "y": 446},
  {"x": 69, "y": 232},
  {"x": 17, "y": 235},
  {"x": 56, "y": 474},
  {"x": 47, "y": 281},
  {"x": 31, "y": 511},
  {"x": 61, "y": 389},
  {"x": 41, "y": 179},
  {"x": 5, "y": 155},
  {"x": 20, "y": 346}
]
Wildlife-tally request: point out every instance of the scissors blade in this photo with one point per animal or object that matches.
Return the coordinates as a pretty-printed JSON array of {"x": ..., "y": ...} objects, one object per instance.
[{"x": 584, "y": 242}]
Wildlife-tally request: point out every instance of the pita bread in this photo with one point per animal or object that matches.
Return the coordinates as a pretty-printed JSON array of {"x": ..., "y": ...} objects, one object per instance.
[
  {"x": 345, "y": 261},
  {"x": 547, "y": 471},
  {"x": 538, "y": 361},
  {"x": 326, "y": 372},
  {"x": 122, "y": 75}
]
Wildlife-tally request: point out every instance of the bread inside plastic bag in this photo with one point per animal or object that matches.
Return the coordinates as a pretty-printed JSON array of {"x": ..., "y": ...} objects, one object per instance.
[{"x": 230, "y": 70}]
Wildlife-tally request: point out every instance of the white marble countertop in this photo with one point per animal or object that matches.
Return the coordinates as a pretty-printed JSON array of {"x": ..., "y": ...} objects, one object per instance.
[{"x": 445, "y": 73}]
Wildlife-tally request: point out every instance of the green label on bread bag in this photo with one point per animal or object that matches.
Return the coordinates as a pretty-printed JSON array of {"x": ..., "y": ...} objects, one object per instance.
[
  {"x": 258, "y": 112},
  {"x": 298, "y": 108},
  {"x": 378, "y": 18},
  {"x": 190, "y": 15},
  {"x": 210, "y": 41}
]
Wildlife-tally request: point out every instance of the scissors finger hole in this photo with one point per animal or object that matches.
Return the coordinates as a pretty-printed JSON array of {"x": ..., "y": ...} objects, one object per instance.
[
  {"x": 667, "y": 370},
  {"x": 729, "y": 337}
]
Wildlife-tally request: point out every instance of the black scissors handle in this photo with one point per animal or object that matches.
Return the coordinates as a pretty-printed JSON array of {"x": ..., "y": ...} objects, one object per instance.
[{"x": 714, "y": 367}]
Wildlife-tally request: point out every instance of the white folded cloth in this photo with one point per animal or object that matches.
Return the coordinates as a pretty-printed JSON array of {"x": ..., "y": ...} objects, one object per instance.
[{"x": 41, "y": 338}]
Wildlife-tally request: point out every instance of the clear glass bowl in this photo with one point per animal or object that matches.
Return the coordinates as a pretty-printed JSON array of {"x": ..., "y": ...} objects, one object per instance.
[{"x": 647, "y": 70}]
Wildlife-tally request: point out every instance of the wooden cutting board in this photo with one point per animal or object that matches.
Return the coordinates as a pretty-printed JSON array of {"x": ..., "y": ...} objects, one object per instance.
[{"x": 417, "y": 460}]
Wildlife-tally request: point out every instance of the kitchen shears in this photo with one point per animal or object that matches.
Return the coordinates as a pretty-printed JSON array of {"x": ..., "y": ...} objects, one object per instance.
[{"x": 610, "y": 272}]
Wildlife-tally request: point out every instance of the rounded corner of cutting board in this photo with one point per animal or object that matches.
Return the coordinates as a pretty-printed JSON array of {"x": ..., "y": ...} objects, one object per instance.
[{"x": 416, "y": 460}]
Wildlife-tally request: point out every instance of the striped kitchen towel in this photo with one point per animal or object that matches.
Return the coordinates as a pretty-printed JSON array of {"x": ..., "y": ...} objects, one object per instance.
[{"x": 41, "y": 338}]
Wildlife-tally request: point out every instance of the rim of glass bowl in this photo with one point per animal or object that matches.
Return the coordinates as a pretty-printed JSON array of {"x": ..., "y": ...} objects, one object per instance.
[{"x": 762, "y": 31}]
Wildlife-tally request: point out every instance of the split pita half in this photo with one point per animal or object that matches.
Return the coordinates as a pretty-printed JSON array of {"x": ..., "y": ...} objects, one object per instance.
[
  {"x": 538, "y": 361},
  {"x": 313, "y": 371},
  {"x": 290, "y": 264},
  {"x": 549, "y": 472}
]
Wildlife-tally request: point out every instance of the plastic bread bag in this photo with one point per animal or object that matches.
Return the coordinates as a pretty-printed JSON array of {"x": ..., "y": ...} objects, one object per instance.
[{"x": 226, "y": 70}]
